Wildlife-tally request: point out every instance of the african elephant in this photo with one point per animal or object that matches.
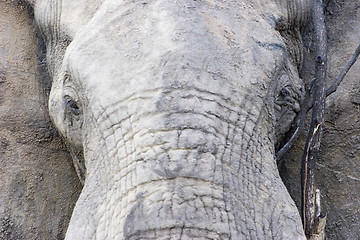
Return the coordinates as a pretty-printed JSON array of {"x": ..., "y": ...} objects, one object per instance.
[{"x": 171, "y": 110}]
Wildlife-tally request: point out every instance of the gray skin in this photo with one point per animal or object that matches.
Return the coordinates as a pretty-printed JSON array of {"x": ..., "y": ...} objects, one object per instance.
[{"x": 171, "y": 110}]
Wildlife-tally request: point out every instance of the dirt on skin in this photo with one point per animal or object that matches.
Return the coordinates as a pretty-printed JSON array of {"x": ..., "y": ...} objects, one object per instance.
[
  {"x": 38, "y": 185},
  {"x": 338, "y": 165}
]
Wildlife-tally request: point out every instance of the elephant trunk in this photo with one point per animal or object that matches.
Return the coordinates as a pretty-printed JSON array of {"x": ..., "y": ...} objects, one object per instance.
[{"x": 184, "y": 162}]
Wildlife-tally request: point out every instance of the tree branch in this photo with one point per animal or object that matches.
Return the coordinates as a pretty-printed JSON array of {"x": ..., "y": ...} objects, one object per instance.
[
  {"x": 312, "y": 144},
  {"x": 343, "y": 72}
]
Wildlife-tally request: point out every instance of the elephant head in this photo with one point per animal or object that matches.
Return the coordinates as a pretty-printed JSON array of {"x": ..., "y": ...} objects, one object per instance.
[{"x": 171, "y": 111}]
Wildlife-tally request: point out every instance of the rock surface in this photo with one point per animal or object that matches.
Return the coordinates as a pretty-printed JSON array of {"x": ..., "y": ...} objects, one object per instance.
[
  {"x": 338, "y": 168},
  {"x": 38, "y": 185}
]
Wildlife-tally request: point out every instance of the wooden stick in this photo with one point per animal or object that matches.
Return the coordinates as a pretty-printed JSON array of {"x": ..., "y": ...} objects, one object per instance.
[{"x": 312, "y": 144}]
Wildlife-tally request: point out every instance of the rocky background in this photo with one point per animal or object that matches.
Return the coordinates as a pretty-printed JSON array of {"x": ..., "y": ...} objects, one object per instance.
[
  {"x": 338, "y": 166},
  {"x": 39, "y": 187}
]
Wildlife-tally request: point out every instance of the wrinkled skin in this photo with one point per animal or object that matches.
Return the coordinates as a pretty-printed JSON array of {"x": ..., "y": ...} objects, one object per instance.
[{"x": 171, "y": 111}]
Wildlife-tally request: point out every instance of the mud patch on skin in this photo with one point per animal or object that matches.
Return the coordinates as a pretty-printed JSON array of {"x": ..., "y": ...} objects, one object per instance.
[{"x": 223, "y": 33}]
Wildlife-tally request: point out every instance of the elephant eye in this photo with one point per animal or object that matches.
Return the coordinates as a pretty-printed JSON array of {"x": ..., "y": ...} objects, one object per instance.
[
  {"x": 72, "y": 106},
  {"x": 284, "y": 92}
]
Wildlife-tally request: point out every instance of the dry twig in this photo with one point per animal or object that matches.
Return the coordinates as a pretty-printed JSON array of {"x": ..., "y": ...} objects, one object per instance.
[{"x": 312, "y": 144}]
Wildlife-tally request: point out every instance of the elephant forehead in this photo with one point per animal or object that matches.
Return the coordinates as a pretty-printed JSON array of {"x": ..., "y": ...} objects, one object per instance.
[{"x": 130, "y": 47}]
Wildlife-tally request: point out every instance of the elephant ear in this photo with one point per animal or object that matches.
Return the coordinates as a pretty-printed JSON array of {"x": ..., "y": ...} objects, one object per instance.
[
  {"x": 288, "y": 95},
  {"x": 294, "y": 13},
  {"x": 285, "y": 14},
  {"x": 289, "y": 18}
]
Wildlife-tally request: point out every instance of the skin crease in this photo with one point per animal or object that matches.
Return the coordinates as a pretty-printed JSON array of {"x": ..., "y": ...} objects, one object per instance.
[{"x": 173, "y": 105}]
